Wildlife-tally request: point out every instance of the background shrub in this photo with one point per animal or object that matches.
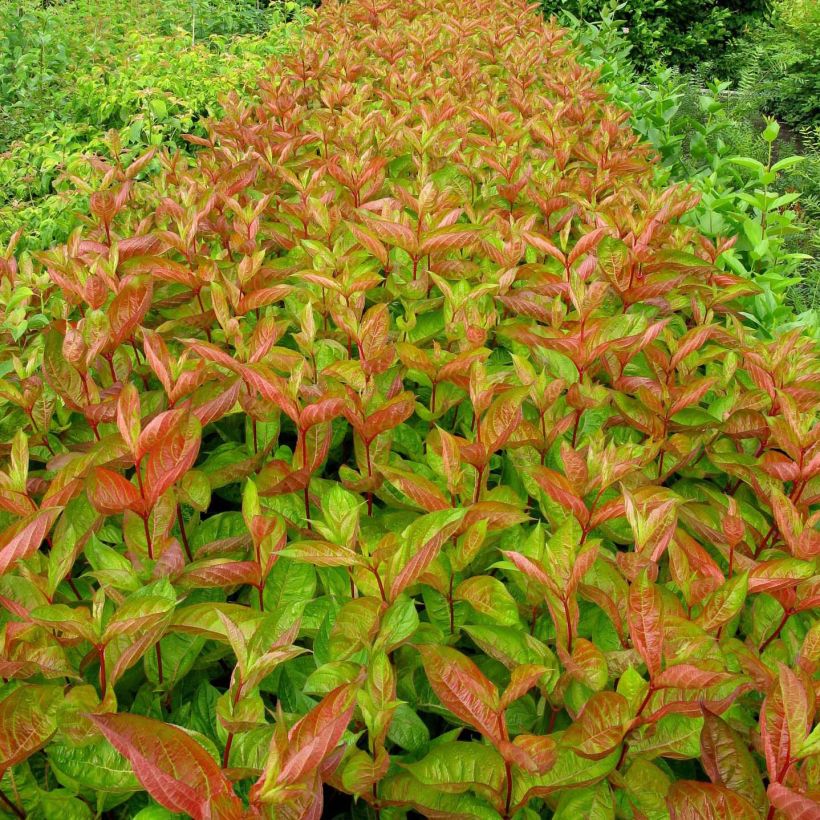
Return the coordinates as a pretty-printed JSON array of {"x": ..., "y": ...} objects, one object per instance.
[
  {"x": 71, "y": 73},
  {"x": 716, "y": 139},
  {"x": 781, "y": 63},
  {"x": 685, "y": 33}
]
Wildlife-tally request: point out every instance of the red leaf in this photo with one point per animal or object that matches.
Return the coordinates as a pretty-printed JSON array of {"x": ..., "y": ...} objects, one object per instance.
[
  {"x": 774, "y": 732},
  {"x": 324, "y": 410},
  {"x": 542, "y": 244},
  {"x": 689, "y": 676},
  {"x": 218, "y": 573},
  {"x": 692, "y": 341},
  {"x": 23, "y": 539},
  {"x": 794, "y": 806},
  {"x": 158, "y": 357},
  {"x": 463, "y": 689},
  {"x": 171, "y": 442},
  {"x": 26, "y": 722},
  {"x": 532, "y": 570},
  {"x": 645, "y": 617},
  {"x": 501, "y": 420},
  {"x": 391, "y": 415},
  {"x": 128, "y": 415},
  {"x": 560, "y": 490},
  {"x": 317, "y": 734},
  {"x": 273, "y": 388},
  {"x": 128, "y": 309},
  {"x": 175, "y": 770},
  {"x": 600, "y": 727},
  {"x": 110, "y": 493},
  {"x": 448, "y": 239},
  {"x": 586, "y": 243},
  {"x": 423, "y": 541},
  {"x": 523, "y": 678},
  {"x": 727, "y": 760},
  {"x": 688, "y": 799},
  {"x": 419, "y": 489}
]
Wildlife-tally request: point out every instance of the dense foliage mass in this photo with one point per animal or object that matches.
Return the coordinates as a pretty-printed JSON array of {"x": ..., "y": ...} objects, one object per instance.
[
  {"x": 782, "y": 62},
  {"x": 750, "y": 180},
  {"x": 684, "y": 32},
  {"x": 71, "y": 72},
  {"x": 407, "y": 447}
]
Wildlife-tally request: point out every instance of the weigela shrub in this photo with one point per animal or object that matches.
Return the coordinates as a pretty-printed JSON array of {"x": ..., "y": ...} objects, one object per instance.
[{"x": 407, "y": 448}]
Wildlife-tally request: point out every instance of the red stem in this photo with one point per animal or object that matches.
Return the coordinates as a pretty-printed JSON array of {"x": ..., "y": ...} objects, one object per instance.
[
  {"x": 103, "y": 677},
  {"x": 148, "y": 537},
  {"x": 303, "y": 436},
  {"x": 451, "y": 607},
  {"x": 159, "y": 662},
  {"x": 227, "y": 753},
  {"x": 306, "y": 492},
  {"x": 184, "y": 534},
  {"x": 625, "y": 747},
  {"x": 786, "y": 615},
  {"x": 379, "y": 581},
  {"x": 575, "y": 427},
  {"x": 478, "y": 482},
  {"x": 508, "y": 771},
  {"x": 73, "y": 586},
  {"x": 569, "y": 625},
  {"x": 13, "y": 807},
  {"x": 145, "y": 517},
  {"x": 765, "y": 540},
  {"x": 229, "y": 742}
]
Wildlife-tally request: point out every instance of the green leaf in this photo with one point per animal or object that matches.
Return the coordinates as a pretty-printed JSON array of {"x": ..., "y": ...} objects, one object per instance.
[
  {"x": 514, "y": 647},
  {"x": 155, "y": 813},
  {"x": 27, "y": 722},
  {"x": 591, "y": 803},
  {"x": 459, "y": 766},
  {"x": 97, "y": 767},
  {"x": 676, "y": 735},
  {"x": 398, "y": 625},
  {"x": 404, "y": 789},
  {"x": 728, "y": 761},
  {"x": 787, "y": 162},
  {"x": 570, "y": 770},
  {"x": 600, "y": 727},
  {"x": 60, "y": 804},
  {"x": 289, "y": 587},
  {"x": 724, "y": 603},
  {"x": 408, "y": 730},
  {"x": 489, "y": 597}
]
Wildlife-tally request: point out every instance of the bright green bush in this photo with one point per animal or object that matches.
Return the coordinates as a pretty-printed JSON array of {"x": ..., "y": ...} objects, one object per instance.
[
  {"x": 781, "y": 64},
  {"x": 686, "y": 33},
  {"x": 111, "y": 66},
  {"x": 46, "y": 48}
]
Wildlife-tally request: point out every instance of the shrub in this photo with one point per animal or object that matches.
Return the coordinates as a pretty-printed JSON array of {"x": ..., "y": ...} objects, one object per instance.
[
  {"x": 45, "y": 47},
  {"x": 685, "y": 33},
  {"x": 751, "y": 184},
  {"x": 109, "y": 67},
  {"x": 781, "y": 63},
  {"x": 407, "y": 447}
]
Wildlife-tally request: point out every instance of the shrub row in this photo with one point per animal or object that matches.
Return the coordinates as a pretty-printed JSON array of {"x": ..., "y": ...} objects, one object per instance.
[{"x": 407, "y": 450}]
